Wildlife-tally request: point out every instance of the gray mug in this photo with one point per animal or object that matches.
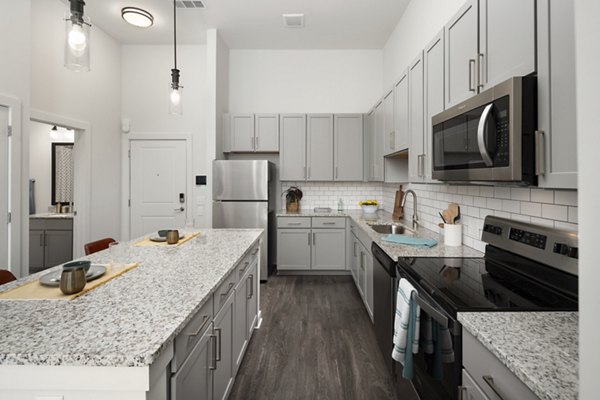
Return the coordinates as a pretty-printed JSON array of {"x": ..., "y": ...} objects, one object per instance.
[{"x": 72, "y": 280}]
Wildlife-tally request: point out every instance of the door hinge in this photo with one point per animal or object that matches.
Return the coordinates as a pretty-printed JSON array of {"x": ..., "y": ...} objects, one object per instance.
[
  {"x": 9, "y": 132},
  {"x": 128, "y": 202},
  {"x": 129, "y": 153},
  {"x": 9, "y": 218}
]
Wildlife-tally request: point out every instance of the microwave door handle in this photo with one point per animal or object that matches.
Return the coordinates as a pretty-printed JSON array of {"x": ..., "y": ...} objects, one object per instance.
[{"x": 480, "y": 136}]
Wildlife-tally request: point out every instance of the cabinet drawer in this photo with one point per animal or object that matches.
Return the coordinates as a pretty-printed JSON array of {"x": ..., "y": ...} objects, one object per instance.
[
  {"x": 329, "y": 222},
  {"x": 191, "y": 334},
  {"x": 293, "y": 222},
  {"x": 51, "y": 224},
  {"x": 224, "y": 291},
  {"x": 470, "y": 390},
  {"x": 246, "y": 263},
  {"x": 480, "y": 362}
]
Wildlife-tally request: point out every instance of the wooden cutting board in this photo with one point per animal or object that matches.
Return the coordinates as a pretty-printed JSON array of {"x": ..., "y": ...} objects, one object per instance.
[{"x": 398, "y": 210}]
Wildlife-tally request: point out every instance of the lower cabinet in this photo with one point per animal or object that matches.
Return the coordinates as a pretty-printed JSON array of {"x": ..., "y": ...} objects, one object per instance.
[
  {"x": 51, "y": 242},
  {"x": 362, "y": 267},
  {"x": 223, "y": 330},
  {"x": 194, "y": 379},
  {"x": 293, "y": 249},
  {"x": 246, "y": 309},
  {"x": 329, "y": 249}
]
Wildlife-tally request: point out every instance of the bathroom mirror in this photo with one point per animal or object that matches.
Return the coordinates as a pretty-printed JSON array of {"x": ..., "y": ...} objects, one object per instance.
[{"x": 62, "y": 173}]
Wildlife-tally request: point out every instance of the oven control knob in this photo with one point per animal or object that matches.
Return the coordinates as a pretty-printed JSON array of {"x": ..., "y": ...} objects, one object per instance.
[
  {"x": 561, "y": 248},
  {"x": 574, "y": 252}
]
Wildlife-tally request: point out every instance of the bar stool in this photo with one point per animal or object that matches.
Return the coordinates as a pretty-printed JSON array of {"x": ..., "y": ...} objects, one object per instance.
[
  {"x": 98, "y": 245},
  {"x": 6, "y": 276}
]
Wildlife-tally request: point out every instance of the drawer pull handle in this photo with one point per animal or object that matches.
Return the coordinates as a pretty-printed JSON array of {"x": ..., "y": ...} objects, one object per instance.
[
  {"x": 328, "y": 223},
  {"x": 213, "y": 339},
  {"x": 255, "y": 252},
  {"x": 205, "y": 319},
  {"x": 218, "y": 357},
  {"x": 291, "y": 224},
  {"x": 245, "y": 266},
  {"x": 490, "y": 382},
  {"x": 228, "y": 289},
  {"x": 251, "y": 295}
]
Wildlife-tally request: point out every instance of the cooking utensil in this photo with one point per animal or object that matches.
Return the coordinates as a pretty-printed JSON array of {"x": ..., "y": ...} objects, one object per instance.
[
  {"x": 454, "y": 210},
  {"x": 443, "y": 219}
]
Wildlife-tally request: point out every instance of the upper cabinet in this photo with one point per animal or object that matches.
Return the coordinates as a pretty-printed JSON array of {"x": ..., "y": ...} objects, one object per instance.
[
  {"x": 401, "y": 141},
  {"x": 319, "y": 154},
  {"x": 376, "y": 144},
  {"x": 487, "y": 42},
  {"x": 557, "y": 123},
  {"x": 348, "y": 147},
  {"x": 292, "y": 154},
  {"x": 389, "y": 137},
  {"x": 249, "y": 133},
  {"x": 416, "y": 155}
]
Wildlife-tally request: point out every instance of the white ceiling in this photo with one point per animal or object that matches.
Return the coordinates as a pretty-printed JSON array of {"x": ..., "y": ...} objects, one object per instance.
[{"x": 243, "y": 24}]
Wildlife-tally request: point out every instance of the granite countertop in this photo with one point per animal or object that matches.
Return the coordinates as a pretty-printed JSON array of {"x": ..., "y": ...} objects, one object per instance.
[
  {"x": 52, "y": 216},
  {"x": 128, "y": 321},
  {"x": 540, "y": 348},
  {"x": 393, "y": 250}
]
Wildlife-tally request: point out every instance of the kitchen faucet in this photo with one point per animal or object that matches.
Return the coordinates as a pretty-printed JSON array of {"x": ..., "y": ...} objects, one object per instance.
[{"x": 415, "y": 219}]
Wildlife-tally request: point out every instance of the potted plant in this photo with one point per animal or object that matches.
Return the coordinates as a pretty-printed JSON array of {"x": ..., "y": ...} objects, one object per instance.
[
  {"x": 293, "y": 195},
  {"x": 368, "y": 206}
]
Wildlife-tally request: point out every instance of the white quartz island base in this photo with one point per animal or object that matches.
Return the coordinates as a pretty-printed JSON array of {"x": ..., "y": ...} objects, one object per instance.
[{"x": 186, "y": 311}]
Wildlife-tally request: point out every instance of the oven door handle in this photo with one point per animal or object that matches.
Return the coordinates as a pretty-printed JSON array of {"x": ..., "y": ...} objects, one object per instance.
[
  {"x": 433, "y": 313},
  {"x": 481, "y": 128}
]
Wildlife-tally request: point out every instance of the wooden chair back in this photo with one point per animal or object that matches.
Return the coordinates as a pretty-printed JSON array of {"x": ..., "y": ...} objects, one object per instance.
[
  {"x": 6, "y": 276},
  {"x": 98, "y": 245}
]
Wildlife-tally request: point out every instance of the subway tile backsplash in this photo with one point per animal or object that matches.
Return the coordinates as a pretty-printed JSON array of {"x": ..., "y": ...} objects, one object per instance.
[{"x": 551, "y": 208}]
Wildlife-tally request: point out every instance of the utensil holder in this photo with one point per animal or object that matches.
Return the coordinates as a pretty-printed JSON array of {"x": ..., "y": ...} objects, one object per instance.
[{"x": 453, "y": 234}]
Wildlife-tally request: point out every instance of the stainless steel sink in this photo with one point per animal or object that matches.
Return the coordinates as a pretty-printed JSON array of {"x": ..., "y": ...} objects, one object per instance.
[{"x": 393, "y": 229}]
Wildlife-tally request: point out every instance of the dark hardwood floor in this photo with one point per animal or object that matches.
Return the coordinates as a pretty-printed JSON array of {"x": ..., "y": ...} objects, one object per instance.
[{"x": 316, "y": 342}]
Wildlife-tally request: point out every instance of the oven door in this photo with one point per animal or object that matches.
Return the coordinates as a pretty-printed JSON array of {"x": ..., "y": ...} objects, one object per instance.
[{"x": 437, "y": 367}]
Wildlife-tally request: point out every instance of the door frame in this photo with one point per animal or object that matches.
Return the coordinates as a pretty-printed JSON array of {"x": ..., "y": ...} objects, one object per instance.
[
  {"x": 126, "y": 140},
  {"x": 83, "y": 189},
  {"x": 18, "y": 227}
]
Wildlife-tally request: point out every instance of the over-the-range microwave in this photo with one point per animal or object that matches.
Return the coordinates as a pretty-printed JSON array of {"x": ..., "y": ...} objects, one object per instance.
[{"x": 489, "y": 137}]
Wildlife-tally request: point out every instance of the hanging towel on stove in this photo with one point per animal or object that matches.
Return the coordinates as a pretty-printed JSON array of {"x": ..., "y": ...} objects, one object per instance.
[
  {"x": 436, "y": 340},
  {"x": 406, "y": 327}
]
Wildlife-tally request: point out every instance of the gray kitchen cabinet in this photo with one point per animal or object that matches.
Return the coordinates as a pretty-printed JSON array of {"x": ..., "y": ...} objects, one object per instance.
[
  {"x": 223, "y": 328},
  {"x": 401, "y": 128},
  {"x": 376, "y": 144},
  {"x": 469, "y": 389},
  {"x": 329, "y": 249},
  {"x": 362, "y": 267},
  {"x": 416, "y": 153},
  {"x": 193, "y": 380},
  {"x": 348, "y": 147},
  {"x": 557, "y": 122},
  {"x": 292, "y": 153},
  {"x": 355, "y": 260},
  {"x": 506, "y": 40},
  {"x": 369, "y": 282},
  {"x": 433, "y": 63},
  {"x": 293, "y": 249},
  {"x": 389, "y": 136},
  {"x": 319, "y": 154},
  {"x": 252, "y": 282},
  {"x": 242, "y": 133},
  {"x": 266, "y": 131},
  {"x": 240, "y": 334},
  {"x": 51, "y": 242},
  {"x": 461, "y": 44}
]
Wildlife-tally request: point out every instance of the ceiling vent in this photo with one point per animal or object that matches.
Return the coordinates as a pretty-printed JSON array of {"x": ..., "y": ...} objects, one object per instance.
[
  {"x": 189, "y": 4},
  {"x": 293, "y": 20}
]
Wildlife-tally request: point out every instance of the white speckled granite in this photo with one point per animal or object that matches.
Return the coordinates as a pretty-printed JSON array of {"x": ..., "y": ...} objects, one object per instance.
[
  {"x": 128, "y": 321},
  {"x": 540, "y": 348},
  {"x": 395, "y": 250},
  {"x": 51, "y": 216}
]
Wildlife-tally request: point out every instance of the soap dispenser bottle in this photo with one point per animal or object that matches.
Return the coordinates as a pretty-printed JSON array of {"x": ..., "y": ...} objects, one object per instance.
[{"x": 340, "y": 206}]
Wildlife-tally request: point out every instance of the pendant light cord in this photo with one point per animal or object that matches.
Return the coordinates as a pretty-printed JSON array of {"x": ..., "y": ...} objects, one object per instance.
[{"x": 175, "y": 33}]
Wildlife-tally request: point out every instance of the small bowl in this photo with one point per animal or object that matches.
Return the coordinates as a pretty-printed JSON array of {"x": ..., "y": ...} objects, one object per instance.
[
  {"x": 85, "y": 264},
  {"x": 163, "y": 232}
]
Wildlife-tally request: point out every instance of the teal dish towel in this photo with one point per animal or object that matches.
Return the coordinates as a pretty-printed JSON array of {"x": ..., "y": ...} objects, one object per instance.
[{"x": 409, "y": 240}]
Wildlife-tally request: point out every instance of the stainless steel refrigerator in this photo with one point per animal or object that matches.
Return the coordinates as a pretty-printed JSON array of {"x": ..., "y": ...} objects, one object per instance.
[{"x": 244, "y": 195}]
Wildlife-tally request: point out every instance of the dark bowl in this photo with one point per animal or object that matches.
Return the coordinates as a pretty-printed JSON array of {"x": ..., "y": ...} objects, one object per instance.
[
  {"x": 163, "y": 233},
  {"x": 85, "y": 264}
]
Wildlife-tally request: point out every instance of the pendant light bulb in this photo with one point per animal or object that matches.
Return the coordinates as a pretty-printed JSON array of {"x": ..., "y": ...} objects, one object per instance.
[
  {"x": 77, "y": 40},
  {"x": 175, "y": 97},
  {"x": 77, "y": 43}
]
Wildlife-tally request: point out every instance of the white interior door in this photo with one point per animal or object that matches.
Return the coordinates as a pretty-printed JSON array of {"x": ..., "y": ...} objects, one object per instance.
[
  {"x": 158, "y": 174},
  {"x": 4, "y": 188}
]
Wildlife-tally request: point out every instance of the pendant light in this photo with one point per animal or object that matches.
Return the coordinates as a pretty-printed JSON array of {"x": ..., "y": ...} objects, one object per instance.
[
  {"x": 77, "y": 40},
  {"x": 176, "y": 88}
]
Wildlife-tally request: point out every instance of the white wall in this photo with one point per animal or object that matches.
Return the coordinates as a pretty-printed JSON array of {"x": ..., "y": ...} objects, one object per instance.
[
  {"x": 93, "y": 97},
  {"x": 146, "y": 76},
  {"x": 587, "y": 32},
  {"x": 304, "y": 81},
  {"x": 421, "y": 21},
  {"x": 40, "y": 163}
]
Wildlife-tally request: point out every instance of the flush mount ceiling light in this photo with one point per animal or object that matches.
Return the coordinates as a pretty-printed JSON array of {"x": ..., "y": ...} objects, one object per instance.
[
  {"x": 77, "y": 42},
  {"x": 137, "y": 17},
  {"x": 293, "y": 20},
  {"x": 176, "y": 89}
]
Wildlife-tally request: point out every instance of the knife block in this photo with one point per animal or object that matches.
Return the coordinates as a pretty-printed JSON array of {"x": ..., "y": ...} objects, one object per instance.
[{"x": 398, "y": 210}]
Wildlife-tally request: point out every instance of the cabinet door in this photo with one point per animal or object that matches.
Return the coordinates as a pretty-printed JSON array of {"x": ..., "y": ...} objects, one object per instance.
[
  {"x": 348, "y": 145},
  {"x": 355, "y": 259},
  {"x": 556, "y": 94},
  {"x": 329, "y": 249},
  {"x": 59, "y": 247},
  {"x": 320, "y": 147},
  {"x": 242, "y": 132},
  {"x": 506, "y": 40},
  {"x": 293, "y": 249},
  {"x": 292, "y": 151},
  {"x": 469, "y": 389},
  {"x": 434, "y": 95},
  {"x": 389, "y": 137},
  {"x": 194, "y": 379},
  {"x": 416, "y": 163},
  {"x": 377, "y": 144},
  {"x": 223, "y": 327},
  {"x": 36, "y": 251},
  {"x": 240, "y": 334},
  {"x": 401, "y": 113},
  {"x": 368, "y": 262},
  {"x": 252, "y": 282},
  {"x": 362, "y": 272},
  {"x": 266, "y": 130},
  {"x": 461, "y": 54}
]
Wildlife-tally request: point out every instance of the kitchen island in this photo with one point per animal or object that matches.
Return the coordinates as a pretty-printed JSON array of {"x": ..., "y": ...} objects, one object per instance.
[{"x": 118, "y": 341}]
